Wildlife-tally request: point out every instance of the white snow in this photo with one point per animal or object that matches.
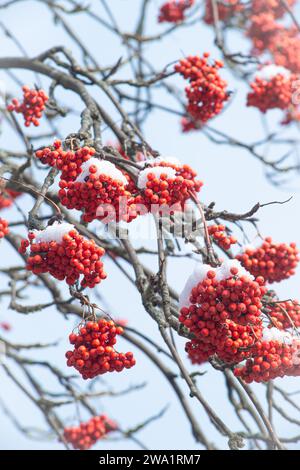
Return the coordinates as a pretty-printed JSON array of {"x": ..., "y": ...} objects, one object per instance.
[
  {"x": 273, "y": 334},
  {"x": 248, "y": 246},
  {"x": 53, "y": 233},
  {"x": 157, "y": 171},
  {"x": 103, "y": 167},
  {"x": 200, "y": 273},
  {"x": 270, "y": 71},
  {"x": 171, "y": 160},
  {"x": 223, "y": 272}
]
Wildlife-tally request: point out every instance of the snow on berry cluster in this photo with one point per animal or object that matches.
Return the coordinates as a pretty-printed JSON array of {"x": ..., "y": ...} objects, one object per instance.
[
  {"x": 166, "y": 182},
  {"x": 226, "y": 10},
  {"x": 3, "y": 228},
  {"x": 31, "y": 107},
  {"x": 84, "y": 436},
  {"x": 274, "y": 261},
  {"x": 102, "y": 191},
  {"x": 93, "y": 186},
  {"x": 222, "y": 308},
  {"x": 271, "y": 88},
  {"x": 65, "y": 254},
  {"x": 219, "y": 235},
  {"x": 173, "y": 11},
  {"x": 271, "y": 357},
  {"x": 94, "y": 352},
  {"x": 98, "y": 192},
  {"x": 206, "y": 92}
]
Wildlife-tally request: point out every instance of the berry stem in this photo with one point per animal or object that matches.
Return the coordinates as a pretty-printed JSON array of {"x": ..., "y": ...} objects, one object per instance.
[
  {"x": 210, "y": 252},
  {"x": 57, "y": 209}
]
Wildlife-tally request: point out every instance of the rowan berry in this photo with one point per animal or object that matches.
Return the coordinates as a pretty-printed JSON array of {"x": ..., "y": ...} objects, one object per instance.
[
  {"x": 166, "y": 182},
  {"x": 61, "y": 251},
  {"x": 173, "y": 11},
  {"x": 94, "y": 352},
  {"x": 85, "y": 435},
  {"x": 3, "y": 228},
  {"x": 220, "y": 237},
  {"x": 207, "y": 91},
  {"x": 31, "y": 107},
  {"x": 226, "y": 10},
  {"x": 274, "y": 261},
  {"x": 271, "y": 88}
]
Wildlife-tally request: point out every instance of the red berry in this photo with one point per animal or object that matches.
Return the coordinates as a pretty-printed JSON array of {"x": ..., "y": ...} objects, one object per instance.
[
  {"x": 85, "y": 435},
  {"x": 31, "y": 107},
  {"x": 94, "y": 353},
  {"x": 206, "y": 92},
  {"x": 273, "y": 261},
  {"x": 173, "y": 11},
  {"x": 64, "y": 259}
]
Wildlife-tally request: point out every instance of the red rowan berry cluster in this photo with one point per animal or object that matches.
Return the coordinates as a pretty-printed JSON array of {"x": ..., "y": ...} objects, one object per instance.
[
  {"x": 100, "y": 192},
  {"x": 274, "y": 6},
  {"x": 166, "y": 182},
  {"x": 31, "y": 107},
  {"x": 260, "y": 20},
  {"x": 272, "y": 88},
  {"x": 218, "y": 233},
  {"x": 3, "y": 228},
  {"x": 65, "y": 254},
  {"x": 198, "y": 351},
  {"x": 6, "y": 198},
  {"x": 206, "y": 92},
  {"x": 173, "y": 11},
  {"x": 84, "y": 436},
  {"x": 69, "y": 162},
  {"x": 95, "y": 187},
  {"x": 226, "y": 9},
  {"x": 285, "y": 315},
  {"x": 270, "y": 358},
  {"x": 283, "y": 43},
  {"x": 94, "y": 352},
  {"x": 285, "y": 49},
  {"x": 262, "y": 31},
  {"x": 274, "y": 261},
  {"x": 222, "y": 308}
]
